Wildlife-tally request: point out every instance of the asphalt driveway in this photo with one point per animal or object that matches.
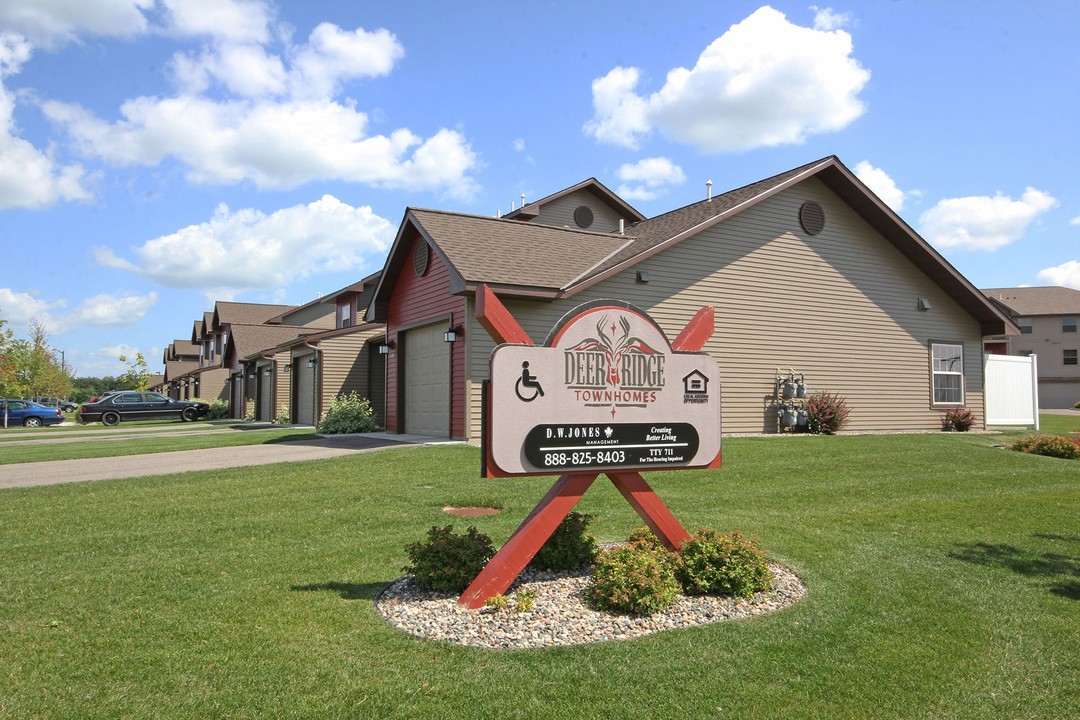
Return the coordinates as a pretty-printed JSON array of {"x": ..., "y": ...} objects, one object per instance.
[{"x": 51, "y": 472}]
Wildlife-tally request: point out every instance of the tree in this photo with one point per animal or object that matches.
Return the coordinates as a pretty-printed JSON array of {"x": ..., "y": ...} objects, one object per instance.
[
  {"x": 29, "y": 368},
  {"x": 137, "y": 376},
  {"x": 7, "y": 361}
]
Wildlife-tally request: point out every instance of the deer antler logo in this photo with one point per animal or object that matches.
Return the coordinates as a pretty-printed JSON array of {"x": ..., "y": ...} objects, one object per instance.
[{"x": 614, "y": 345}]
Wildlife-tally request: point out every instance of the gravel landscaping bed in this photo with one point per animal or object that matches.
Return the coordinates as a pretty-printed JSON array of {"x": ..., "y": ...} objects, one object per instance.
[{"x": 559, "y": 615}]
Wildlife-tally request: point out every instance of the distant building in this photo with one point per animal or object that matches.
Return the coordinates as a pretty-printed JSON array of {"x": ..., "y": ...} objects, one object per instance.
[{"x": 1047, "y": 317}]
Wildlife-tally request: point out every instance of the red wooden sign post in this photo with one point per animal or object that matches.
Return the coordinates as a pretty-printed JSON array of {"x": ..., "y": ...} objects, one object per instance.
[{"x": 619, "y": 465}]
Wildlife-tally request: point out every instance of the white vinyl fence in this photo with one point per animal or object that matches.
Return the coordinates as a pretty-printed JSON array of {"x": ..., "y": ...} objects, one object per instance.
[{"x": 1012, "y": 390}]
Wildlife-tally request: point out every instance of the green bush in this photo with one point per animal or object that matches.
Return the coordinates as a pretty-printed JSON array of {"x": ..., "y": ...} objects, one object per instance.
[
  {"x": 283, "y": 417},
  {"x": 826, "y": 413},
  {"x": 1057, "y": 446},
  {"x": 218, "y": 409},
  {"x": 716, "y": 563},
  {"x": 348, "y": 413},
  {"x": 957, "y": 420},
  {"x": 633, "y": 578},
  {"x": 570, "y": 547},
  {"x": 448, "y": 562},
  {"x": 644, "y": 535}
]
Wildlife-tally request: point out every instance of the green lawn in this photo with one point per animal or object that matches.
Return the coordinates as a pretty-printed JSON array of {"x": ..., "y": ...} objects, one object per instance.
[
  {"x": 943, "y": 576},
  {"x": 96, "y": 441}
]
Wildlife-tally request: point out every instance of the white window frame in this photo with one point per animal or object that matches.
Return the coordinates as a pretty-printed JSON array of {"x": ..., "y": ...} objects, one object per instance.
[
  {"x": 946, "y": 361},
  {"x": 1067, "y": 359},
  {"x": 1068, "y": 324},
  {"x": 1025, "y": 325}
]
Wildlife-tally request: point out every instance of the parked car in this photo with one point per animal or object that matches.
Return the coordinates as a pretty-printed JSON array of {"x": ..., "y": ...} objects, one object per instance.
[
  {"x": 65, "y": 405},
  {"x": 105, "y": 394},
  {"x": 112, "y": 408},
  {"x": 28, "y": 413}
]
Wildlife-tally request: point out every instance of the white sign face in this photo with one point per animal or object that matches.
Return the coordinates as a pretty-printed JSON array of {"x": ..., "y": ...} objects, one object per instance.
[{"x": 606, "y": 393}]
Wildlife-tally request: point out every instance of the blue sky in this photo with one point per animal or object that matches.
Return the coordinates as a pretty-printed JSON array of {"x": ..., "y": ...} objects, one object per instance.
[{"x": 158, "y": 155}]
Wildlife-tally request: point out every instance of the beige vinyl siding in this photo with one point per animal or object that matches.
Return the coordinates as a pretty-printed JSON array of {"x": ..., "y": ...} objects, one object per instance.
[
  {"x": 839, "y": 307},
  {"x": 319, "y": 315},
  {"x": 282, "y": 386},
  {"x": 560, "y": 212},
  {"x": 345, "y": 366}
]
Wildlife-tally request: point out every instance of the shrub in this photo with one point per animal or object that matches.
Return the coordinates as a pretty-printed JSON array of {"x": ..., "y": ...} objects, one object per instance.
[
  {"x": 633, "y": 578},
  {"x": 715, "y": 563},
  {"x": 570, "y": 547},
  {"x": 643, "y": 534},
  {"x": 957, "y": 419},
  {"x": 348, "y": 413},
  {"x": 826, "y": 413},
  {"x": 218, "y": 409},
  {"x": 448, "y": 562},
  {"x": 283, "y": 417},
  {"x": 1057, "y": 446}
]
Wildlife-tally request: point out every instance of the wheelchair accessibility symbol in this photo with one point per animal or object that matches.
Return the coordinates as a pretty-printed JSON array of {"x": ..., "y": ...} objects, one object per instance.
[{"x": 528, "y": 381}]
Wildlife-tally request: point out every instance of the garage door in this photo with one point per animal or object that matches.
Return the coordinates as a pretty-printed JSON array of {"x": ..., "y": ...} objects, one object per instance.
[
  {"x": 304, "y": 377},
  {"x": 427, "y": 382},
  {"x": 265, "y": 398},
  {"x": 238, "y": 395}
]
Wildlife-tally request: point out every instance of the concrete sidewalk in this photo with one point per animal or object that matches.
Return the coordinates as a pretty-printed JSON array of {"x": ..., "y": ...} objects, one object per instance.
[{"x": 52, "y": 472}]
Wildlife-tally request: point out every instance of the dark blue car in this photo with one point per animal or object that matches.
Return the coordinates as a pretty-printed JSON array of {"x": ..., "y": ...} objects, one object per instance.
[
  {"x": 131, "y": 405},
  {"x": 27, "y": 413}
]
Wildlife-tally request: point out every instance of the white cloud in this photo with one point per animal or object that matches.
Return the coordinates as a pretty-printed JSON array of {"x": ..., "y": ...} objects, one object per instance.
[
  {"x": 29, "y": 177},
  {"x": 235, "y": 21},
  {"x": 765, "y": 82},
  {"x": 983, "y": 222},
  {"x": 279, "y": 125},
  {"x": 881, "y": 184},
  {"x": 621, "y": 116},
  {"x": 333, "y": 56},
  {"x": 18, "y": 308},
  {"x": 1067, "y": 275},
  {"x": 274, "y": 145},
  {"x": 1075, "y": 220},
  {"x": 51, "y": 22},
  {"x": 649, "y": 178},
  {"x": 829, "y": 19},
  {"x": 247, "y": 249}
]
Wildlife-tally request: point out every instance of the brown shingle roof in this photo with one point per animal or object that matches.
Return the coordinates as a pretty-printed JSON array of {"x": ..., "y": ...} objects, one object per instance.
[
  {"x": 231, "y": 313},
  {"x": 527, "y": 258},
  {"x": 1052, "y": 300},
  {"x": 503, "y": 252},
  {"x": 245, "y": 340}
]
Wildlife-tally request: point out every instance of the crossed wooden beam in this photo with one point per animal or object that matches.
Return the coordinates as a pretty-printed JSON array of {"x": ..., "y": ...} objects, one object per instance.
[{"x": 534, "y": 531}]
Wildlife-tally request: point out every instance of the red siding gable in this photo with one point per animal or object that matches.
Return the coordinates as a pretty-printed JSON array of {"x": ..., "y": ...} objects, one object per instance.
[{"x": 417, "y": 300}]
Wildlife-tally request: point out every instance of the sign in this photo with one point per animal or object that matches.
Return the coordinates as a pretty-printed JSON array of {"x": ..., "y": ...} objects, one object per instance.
[{"x": 605, "y": 392}]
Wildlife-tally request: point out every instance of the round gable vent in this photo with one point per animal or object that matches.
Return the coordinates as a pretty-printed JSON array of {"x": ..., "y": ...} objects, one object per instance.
[
  {"x": 812, "y": 218},
  {"x": 583, "y": 216},
  {"x": 420, "y": 257}
]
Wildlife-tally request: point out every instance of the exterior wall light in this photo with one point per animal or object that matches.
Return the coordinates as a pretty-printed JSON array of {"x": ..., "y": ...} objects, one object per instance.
[
  {"x": 452, "y": 334},
  {"x": 288, "y": 368},
  {"x": 386, "y": 347}
]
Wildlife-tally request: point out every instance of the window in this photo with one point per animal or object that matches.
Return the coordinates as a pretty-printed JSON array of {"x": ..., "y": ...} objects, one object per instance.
[
  {"x": 1068, "y": 324},
  {"x": 1025, "y": 325},
  {"x": 345, "y": 313},
  {"x": 1068, "y": 357},
  {"x": 947, "y": 368}
]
